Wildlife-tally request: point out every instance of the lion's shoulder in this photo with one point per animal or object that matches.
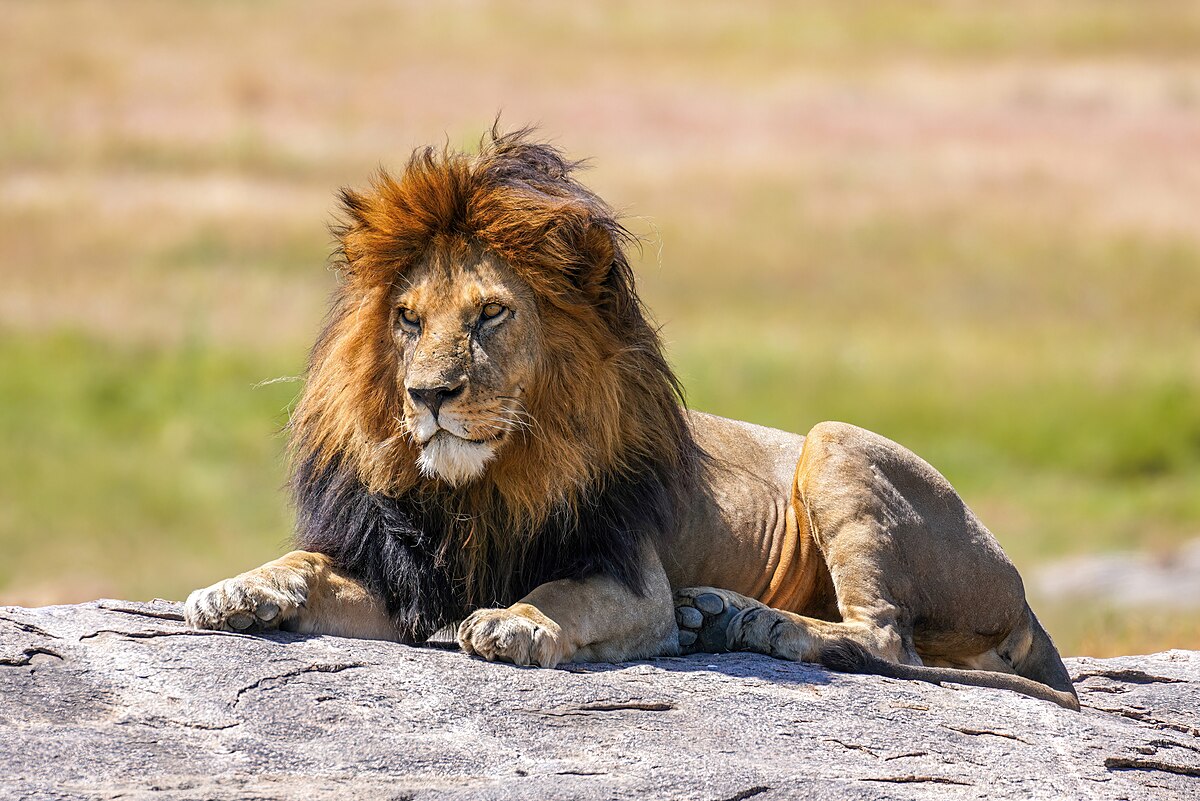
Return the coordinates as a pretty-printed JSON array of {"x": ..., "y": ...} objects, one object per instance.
[{"x": 767, "y": 453}]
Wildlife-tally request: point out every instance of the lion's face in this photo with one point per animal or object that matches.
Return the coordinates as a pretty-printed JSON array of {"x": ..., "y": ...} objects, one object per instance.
[
  {"x": 467, "y": 334},
  {"x": 486, "y": 340}
]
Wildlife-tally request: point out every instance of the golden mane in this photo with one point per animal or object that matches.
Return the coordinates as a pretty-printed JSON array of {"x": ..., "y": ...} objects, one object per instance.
[{"x": 607, "y": 403}]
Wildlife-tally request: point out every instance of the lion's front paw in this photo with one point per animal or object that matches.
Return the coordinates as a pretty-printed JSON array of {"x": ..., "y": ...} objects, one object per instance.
[
  {"x": 260, "y": 599},
  {"x": 520, "y": 634}
]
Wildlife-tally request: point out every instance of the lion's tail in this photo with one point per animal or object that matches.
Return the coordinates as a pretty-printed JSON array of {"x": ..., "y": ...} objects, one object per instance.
[{"x": 1039, "y": 672}]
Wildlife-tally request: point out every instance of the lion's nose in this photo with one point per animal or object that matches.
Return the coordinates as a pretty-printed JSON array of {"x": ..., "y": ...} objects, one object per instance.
[{"x": 432, "y": 398}]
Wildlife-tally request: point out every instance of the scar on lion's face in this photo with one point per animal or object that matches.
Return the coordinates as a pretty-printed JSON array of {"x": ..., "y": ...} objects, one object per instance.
[{"x": 466, "y": 329}]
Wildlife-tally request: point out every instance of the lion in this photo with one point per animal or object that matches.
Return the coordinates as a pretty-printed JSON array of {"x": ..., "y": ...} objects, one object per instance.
[{"x": 490, "y": 436}]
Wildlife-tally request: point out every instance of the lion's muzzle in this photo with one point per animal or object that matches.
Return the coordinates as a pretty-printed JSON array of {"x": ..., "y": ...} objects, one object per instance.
[{"x": 432, "y": 398}]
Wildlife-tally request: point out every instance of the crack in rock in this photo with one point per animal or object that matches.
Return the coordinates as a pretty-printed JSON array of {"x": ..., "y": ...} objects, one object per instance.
[
  {"x": 980, "y": 732},
  {"x": 125, "y": 610},
  {"x": 852, "y": 746},
  {"x": 1173, "y": 744},
  {"x": 749, "y": 792},
  {"x": 906, "y": 755},
  {"x": 911, "y": 779},
  {"x": 29, "y": 628},
  {"x": 605, "y": 706},
  {"x": 908, "y": 705},
  {"x": 152, "y": 633},
  {"x": 336, "y": 667},
  {"x": 154, "y": 723},
  {"x": 1112, "y": 689},
  {"x": 1129, "y": 763},
  {"x": 1128, "y": 675},
  {"x": 581, "y": 773},
  {"x": 26, "y": 657},
  {"x": 1145, "y": 717}
]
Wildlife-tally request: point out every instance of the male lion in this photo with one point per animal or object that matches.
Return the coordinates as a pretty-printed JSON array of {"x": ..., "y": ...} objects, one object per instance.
[{"x": 489, "y": 433}]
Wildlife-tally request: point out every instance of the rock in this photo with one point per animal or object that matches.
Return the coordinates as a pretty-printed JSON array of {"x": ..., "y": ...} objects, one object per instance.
[
  {"x": 120, "y": 700},
  {"x": 1162, "y": 580}
]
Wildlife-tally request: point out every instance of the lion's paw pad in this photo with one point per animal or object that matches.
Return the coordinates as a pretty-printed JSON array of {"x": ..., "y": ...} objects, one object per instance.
[
  {"x": 689, "y": 617},
  {"x": 703, "y": 615},
  {"x": 709, "y": 603}
]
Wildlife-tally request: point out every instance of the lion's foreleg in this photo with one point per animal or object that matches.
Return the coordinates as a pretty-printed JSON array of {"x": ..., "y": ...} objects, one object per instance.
[
  {"x": 592, "y": 619},
  {"x": 301, "y": 591}
]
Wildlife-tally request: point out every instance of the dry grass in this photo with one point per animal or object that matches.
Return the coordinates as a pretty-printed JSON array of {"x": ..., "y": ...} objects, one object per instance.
[{"x": 968, "y": 225}]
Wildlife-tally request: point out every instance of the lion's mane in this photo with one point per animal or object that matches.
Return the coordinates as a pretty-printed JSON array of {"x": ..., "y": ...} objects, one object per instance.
[{"x": 601, "y": 470}]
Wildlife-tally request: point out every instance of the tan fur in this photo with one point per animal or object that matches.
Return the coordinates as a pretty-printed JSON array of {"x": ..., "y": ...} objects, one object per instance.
[
  {"x": 843, "y": 537},
  {"x": 301, "y": 591},
  {"x": 918, "y": 583}
]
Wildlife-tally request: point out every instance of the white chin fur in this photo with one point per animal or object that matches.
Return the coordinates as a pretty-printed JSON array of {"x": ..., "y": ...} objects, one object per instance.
[{"x": 454, "y": 460}]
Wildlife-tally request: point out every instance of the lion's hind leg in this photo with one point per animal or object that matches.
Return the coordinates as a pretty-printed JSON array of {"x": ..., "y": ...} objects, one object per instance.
[
  {"x": 713, "y": 620},
  {"x": 1028, "y": 651}
]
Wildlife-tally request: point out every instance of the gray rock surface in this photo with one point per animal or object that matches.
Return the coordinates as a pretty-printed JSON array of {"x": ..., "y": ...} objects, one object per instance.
[
  {"x": 1166, "y": 579},
  {"x": 120, "y": 700}
]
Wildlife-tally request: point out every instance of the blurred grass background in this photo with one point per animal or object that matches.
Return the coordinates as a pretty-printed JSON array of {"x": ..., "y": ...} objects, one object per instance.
[{"x": 969, "y": 226}]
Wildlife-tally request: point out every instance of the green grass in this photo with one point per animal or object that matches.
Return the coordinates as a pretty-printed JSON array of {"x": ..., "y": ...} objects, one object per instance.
[
  {"x": 136, "y": 470},
  {"x": 1104, "y": 630}
]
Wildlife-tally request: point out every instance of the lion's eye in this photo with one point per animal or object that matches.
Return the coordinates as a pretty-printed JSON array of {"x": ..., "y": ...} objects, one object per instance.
[
  {"x": 491, "y": 311},
  {"x": 408, "y": 317}
]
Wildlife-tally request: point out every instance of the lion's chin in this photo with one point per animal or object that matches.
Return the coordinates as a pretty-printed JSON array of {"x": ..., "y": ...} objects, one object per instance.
[{"x": 453, "y": 459}]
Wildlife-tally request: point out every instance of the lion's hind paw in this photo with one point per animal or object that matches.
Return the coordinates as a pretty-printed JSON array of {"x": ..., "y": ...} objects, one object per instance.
[{"x": 704, "y": 614}]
